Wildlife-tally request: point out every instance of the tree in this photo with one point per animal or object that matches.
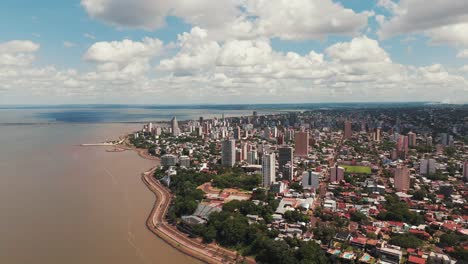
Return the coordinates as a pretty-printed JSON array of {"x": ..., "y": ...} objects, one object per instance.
[
  {"x": 358, "y": 217},
  {"x": 311, "y": 253},
  {"x": 406, "y": 241}
]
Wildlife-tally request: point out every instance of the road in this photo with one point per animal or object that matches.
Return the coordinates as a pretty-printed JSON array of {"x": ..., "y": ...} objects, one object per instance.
[{"x": 209, "y": 253}]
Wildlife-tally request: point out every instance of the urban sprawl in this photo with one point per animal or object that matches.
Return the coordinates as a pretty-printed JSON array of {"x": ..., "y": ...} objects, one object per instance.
[{"x": 369, "y": 185}]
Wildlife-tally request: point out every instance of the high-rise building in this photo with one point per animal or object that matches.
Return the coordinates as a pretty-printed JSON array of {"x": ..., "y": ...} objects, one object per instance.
[
  {"x": 402, "y": 179},
  {"x": 336, "y": 174},
  {"x": 301, "y": 142},
  {"x": 376, "y": 134},
  {"x": 244, "y": 149},
  {"x": 427, "y": 166},
  {"x": 184, "y": 161},
  {"x": 289, "y": 135},
  {"x": 228, "y": 150},
  {"x": 288, "y": 172},
  {"x": 429, "y": 141},
  {"x": 175, "y": 127},
  {"x": 348, "y": 132},
  {"x": 252, "y": 157},
  {"x": 267, "y": 132},
  {"x": 465, "y": 170},
  {"x": 168, "y": 160},
  {"x": 411, "y": 139},
  {"x": 402, "y": 146},
  {"x": 237, "y": 133},
  {"x": 310, "y": 180},
  {"x": 285, "y": 155},
  {"x": 268, "y": 169}
]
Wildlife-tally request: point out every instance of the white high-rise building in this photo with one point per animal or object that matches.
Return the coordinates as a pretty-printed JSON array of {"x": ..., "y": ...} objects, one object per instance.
[
  {"x": 228, "y": 150},
  {"x": 310, "y": 180},
  {"x": 268, "y": 169},
  {"x": 427, "y": 166},
  {"x": 184, "y": 161},
  {"x": 175, "y": 127}
]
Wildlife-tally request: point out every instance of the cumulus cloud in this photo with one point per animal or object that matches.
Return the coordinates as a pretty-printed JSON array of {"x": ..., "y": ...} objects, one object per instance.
[
  {"x": 444, "y": 21},
  {"x": 17, "y": 52},
  {"x": 204, "y": 70},
  {"x": 197, "y": 53},
  {"x": 463, "y": 54},
  {"x": 360, "y": 49},
  {"x": 126, "y": 56},
  {"x": 304, "y": 19},
  {"x": 417, "y": 15},
  {"x": 241, "y": 19}
]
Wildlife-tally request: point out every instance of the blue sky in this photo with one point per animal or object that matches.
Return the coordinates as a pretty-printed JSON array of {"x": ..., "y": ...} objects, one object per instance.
[{"x": 67, "y": 33}]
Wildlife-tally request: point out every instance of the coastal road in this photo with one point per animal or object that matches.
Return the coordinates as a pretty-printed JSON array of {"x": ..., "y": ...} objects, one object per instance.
[{"x": 209, "y": 253}]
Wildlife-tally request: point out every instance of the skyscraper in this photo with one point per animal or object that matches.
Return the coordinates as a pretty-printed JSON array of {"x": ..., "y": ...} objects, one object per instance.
[
  {"x": 268, "y": 169},
  {"x": 465, "y": 170},
  {"x": 348, "y": 132},
  {"x": 285, "y": 155},
  {"x": 310, "y": 180},
  {"x": 237, "y": 133},
  {"x": 427, "y": 166},
  {"x": 336, "y": 174},
  {"x": 175, "y": 127},
  {"x": 228, "y": 150},
  {"x": 402, "y": 180},
  {"x": 411, "y": 139},
  {"x": 252, "y": 157},
  {"x": 301, "y": 142},
  {"x": 244, "y": 149},
  {"x": 376, "y": 135}
]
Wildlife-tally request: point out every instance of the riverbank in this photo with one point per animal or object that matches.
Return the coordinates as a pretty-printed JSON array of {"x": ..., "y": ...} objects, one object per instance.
[{"x": 156, "y": 223}]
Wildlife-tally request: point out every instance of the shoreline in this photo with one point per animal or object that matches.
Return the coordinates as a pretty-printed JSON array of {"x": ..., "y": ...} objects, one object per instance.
[{"x": 156, "y": 223}]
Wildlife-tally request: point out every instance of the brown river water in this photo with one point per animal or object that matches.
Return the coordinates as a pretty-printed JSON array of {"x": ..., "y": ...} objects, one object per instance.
[{"x": 63, "y": 203}]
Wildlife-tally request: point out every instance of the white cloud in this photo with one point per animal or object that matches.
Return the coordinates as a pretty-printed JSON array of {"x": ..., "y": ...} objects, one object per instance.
[
  {"x": 125, "y": 57},
  {"x": 17, "y": 52},
  {"x": 197, "y": 53},
  {"x": 241, "y": 19},
  {"x": 419, "y": 15},
  {"x": 304, "y": 19},
  {"x": 463, "y": 54},
  {"x": 68, "y": 44},
  {"x": 247, "y": 71},
  {"x": 151, "y": 15},
  {"x": 464, "y": 68},
  {"x": 360, "y": 49},
  {"x": 89, "y": 36},
  {"x": 455, "y": 35}
]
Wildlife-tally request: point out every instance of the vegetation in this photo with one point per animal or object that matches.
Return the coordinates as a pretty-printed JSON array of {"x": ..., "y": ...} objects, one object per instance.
[
  {"x": 399, "y": 211},
  {"x": 406, "y": 241},
  {"x": 237, "y": 180},
  {"x": 357, "y": 169},
  {"x": 230, "y": 228}
]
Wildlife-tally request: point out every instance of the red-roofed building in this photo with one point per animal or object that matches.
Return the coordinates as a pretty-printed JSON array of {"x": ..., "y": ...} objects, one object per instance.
[{"x": 416, "y": 260}]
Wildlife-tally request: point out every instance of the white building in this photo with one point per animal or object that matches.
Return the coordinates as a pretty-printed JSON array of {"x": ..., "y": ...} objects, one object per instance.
[
  {"x": 310, "y": 180},
  {"x": 175, "y": 127},
  {"x": 268, "y": 169},
  {"x": 184, "y": 161},
  {"x": 168, "y": 160},
  {"x": 427, "y": 166}
]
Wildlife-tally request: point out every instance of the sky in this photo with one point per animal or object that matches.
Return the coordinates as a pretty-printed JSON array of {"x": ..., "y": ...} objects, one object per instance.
[{"x": 232, "y": 51}]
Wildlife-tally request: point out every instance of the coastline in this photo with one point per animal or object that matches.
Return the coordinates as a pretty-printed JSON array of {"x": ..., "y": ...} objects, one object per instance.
[{"x": 194, "y": 247}]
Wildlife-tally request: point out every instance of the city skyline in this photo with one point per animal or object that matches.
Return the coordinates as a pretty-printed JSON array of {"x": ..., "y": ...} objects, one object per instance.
[{"x": 174, "y": 52}]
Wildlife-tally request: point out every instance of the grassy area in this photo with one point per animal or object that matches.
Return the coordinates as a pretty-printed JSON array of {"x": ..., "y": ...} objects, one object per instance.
[{"x": 357, "y": 169}]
